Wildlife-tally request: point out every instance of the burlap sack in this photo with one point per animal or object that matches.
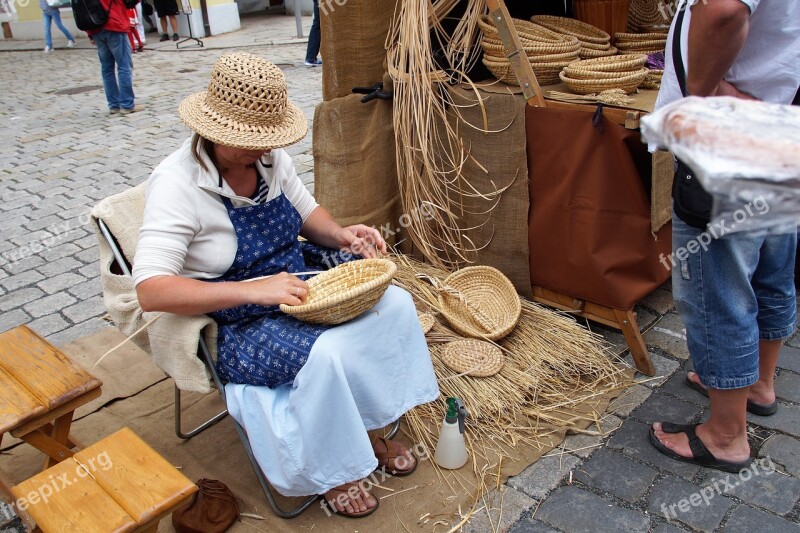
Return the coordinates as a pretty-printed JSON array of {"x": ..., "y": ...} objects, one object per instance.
[
  {"x": 355, "y": 175},
  {"x": 498, "y": 232},
  {"x": 353, "y": 43}
]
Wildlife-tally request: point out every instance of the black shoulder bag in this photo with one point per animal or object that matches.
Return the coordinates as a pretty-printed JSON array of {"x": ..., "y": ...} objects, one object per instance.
[{"x": 690, "y": 200}]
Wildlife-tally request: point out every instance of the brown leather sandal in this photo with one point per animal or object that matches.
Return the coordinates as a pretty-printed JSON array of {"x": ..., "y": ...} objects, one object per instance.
[
  {"x": 388, "y": 459},
  {"x": 332, "y": 502}
]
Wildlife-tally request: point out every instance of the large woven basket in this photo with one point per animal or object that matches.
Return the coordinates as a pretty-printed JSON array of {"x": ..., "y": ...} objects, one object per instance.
[
  {"x": 344, "y": 292},
  {"x": 480, "y": 302},
  {"x": 629, "y": 83}
]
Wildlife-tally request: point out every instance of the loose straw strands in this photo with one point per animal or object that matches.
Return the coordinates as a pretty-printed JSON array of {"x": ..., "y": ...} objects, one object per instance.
[
  {"x": 431, "y": 157},
  {"x": 552, "y": 365}
]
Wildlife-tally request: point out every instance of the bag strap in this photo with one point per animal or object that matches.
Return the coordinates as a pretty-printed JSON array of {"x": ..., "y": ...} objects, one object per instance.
[{"x": 677, "y": 53}]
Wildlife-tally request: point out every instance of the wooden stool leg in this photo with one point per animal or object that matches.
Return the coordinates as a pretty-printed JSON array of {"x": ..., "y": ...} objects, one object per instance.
[
  {"x": 630, "y": 329},
  {"x": 60, "y": 434}
]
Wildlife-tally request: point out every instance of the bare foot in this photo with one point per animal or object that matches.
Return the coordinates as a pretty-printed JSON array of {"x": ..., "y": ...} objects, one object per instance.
[
  {"x": 351, "y": 499},
  {"x": 758, "y": 393},
  {"x": 732, "y": 450}
]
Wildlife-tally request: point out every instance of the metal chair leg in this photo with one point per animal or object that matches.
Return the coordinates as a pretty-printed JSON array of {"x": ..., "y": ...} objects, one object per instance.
[{"x": 199, "y": 429}]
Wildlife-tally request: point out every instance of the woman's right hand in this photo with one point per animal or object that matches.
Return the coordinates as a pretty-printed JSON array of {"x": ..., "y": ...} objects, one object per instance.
[{"x": 283, "y": 288}]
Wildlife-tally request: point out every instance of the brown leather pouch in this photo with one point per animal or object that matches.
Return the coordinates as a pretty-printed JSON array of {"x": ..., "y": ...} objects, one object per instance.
[{"x": 213, "y": 509}]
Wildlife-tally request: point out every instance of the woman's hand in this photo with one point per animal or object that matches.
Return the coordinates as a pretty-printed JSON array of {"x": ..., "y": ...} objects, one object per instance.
[
  {"x": 283, "y": 288},
  {"x": 361, "y": 240}
]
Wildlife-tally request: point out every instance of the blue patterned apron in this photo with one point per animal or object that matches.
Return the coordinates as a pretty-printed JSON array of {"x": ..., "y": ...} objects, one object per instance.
[{"x": 260, "y": 345}]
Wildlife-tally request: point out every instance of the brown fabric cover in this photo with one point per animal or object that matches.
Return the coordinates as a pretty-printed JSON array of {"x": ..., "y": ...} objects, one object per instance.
[
  {"x": 501, "y": 235},
  {"x": 355, "y": 175},
  {"x": 589, "y": 224},
  {"x": 353, "y": 43}
]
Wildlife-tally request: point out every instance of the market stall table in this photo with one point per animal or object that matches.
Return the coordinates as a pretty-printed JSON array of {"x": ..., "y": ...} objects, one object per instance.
[{"x": 40, "y": 388}]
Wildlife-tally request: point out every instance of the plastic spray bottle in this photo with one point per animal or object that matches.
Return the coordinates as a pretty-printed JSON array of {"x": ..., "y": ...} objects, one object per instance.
[{"x": 451, "y": 452}]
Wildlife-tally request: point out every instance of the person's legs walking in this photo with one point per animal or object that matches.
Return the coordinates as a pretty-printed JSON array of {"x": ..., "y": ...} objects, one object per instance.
[
  {"x": 164, "y": 34},
  {"x": 107, "y": 67},
  {"x": 60, "y": 26},
  {"x": 174, "y": 21},
  {"x": 314, "y": 38},
  {"x": 121, "y": 51},
  {"x": 48, "y": 39}
]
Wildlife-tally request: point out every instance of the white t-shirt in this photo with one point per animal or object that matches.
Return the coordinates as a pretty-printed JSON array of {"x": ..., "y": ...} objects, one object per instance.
[
  {"x": 186, "y": 229},
  {"x": 768, "y": 66}
]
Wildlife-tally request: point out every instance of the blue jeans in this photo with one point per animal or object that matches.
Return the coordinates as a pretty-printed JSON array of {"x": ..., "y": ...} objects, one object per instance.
[
  {"x": 116, "y": 65},
  {"x": 312, "y": 49},
  {"x": 731, "y": 292},
  {"x": 50, "y": 16}
]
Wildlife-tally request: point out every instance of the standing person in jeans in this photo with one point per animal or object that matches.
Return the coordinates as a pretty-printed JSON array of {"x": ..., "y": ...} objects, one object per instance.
[
  {"x": 312, "y": 49},
  {"x": 167, "y": 9},
  {"x": 50, "y": 14},
  {"x": 114, "y": 51},
  {"x": 737, "y": 297}
]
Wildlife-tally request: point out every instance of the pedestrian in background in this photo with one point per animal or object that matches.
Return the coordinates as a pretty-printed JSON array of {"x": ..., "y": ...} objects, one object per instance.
[
  {"x": 116, "y": 64},
  {"x": 314, "y": 38},
  {"x": 49, "y": 14},
  {"x": 167, "y": 9},
  {"x": 133, "y": 32}
]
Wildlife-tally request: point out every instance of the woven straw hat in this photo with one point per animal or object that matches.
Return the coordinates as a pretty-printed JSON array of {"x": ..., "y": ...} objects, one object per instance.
[{"x": 245, "y": 106}]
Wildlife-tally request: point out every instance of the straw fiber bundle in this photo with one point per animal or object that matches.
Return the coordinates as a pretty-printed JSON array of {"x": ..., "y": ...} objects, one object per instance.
[
  {"x": 552, "y": 365},
  {"x": 343, "y": 292},
  {"x": 430, "y": 155}
]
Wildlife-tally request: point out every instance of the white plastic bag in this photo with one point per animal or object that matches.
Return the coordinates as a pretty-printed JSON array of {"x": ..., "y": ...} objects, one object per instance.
[{"x": 745, "y": 153}]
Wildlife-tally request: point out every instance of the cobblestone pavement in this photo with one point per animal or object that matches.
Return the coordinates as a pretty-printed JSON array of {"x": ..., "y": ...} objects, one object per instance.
[{"x": 60, "y": 153}]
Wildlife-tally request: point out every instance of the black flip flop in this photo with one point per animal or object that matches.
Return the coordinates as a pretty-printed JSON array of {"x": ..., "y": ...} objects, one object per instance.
[
  {"x": 700, "y": 454},
  {"x": 752, "y": 407}
]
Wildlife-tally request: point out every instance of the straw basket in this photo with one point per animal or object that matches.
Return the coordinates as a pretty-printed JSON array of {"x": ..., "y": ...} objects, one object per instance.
[
  {"x": 472, "y": 357},
  {"x": 480, "y": 302},
  {"x": 628, "y": 83},
  {"x": 426, "y": 321},
  {"x": 609, "y": 15},
  {"x": 344, "y": 292},
  {"x": 585, "y": 33},
  {"x": 618, "y": 63}
]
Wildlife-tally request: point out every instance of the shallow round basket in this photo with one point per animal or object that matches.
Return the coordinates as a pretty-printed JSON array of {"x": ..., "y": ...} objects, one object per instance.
[
  {"x": 534, "y": 51},
  {"x": 628, "y": 83},
  {"x": 589, "y": 53},
  {"x": 576, "y": 73},
  {"x": 344, "y": 292},
  {"x": 639, "y": 37},
  {"x": 583, "y": 31},
  {"x": 426, "y": 321},
  {"x": 642, "y": 45},
  {"x": 480, "y": 302},
  {"x": 618, "y": 63},
  {"x": 472, "y": 357}
]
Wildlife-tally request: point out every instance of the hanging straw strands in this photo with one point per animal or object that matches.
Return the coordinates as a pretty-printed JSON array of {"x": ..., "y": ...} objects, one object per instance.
[
  {"x": 552, "y": 365},
  {"x": 431, "y": 157}
]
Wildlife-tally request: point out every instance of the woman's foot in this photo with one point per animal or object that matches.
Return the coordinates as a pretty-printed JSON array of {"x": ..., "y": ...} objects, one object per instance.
[
  {"x": 351, "y": 500},
  {"x": 396, "y": 459}
]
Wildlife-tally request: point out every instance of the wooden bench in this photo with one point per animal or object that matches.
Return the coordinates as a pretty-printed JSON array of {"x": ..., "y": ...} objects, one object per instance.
[
  {"x": 40, "y": 388},
  {"x": 118, "y": 484}
]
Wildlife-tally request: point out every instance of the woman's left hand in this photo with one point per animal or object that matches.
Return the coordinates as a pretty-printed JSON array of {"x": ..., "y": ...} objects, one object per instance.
[{"x": 361, "y": 240}]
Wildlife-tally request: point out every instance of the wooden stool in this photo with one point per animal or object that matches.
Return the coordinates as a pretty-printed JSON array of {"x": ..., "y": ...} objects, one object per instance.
[
  {"x": 40, "y": 389},
  {"x": 118, "y": 484}
]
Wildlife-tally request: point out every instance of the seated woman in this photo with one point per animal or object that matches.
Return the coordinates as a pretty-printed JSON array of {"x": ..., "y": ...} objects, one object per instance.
[{"x": 227, "y": 207}]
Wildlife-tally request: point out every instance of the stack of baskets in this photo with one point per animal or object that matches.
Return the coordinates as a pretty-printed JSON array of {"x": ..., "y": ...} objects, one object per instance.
[
  {"x": 594, "y": 42},
  {"x": 641, "y": 43},
  {"x": 643, "y": 15},
  {"x": 652, "y": 80},
  {"x": 547, "y": 51},
  {"x": 590, "y": 76}
]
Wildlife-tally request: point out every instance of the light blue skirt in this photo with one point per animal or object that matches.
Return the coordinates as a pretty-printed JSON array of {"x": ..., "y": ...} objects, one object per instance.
[{"x": 311, "y": 435}]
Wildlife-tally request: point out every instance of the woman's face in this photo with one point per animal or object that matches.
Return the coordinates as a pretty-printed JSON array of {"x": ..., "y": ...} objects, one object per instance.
[{"x": 228, "y": 156}]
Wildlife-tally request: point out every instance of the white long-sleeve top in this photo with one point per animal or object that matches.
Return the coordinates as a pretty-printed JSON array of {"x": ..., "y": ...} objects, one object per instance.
[{"x": 186, "y": 230}]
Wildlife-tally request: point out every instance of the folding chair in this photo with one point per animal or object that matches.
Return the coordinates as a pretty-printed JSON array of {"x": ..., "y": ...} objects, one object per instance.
[{"x": 122, "y": 265}]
